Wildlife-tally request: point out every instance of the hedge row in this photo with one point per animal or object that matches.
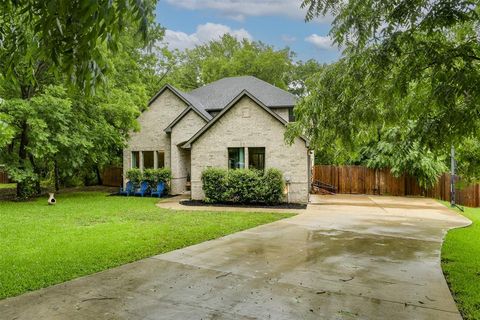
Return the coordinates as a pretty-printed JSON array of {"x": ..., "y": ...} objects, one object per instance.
[
  {"x": 153, "y": 176},
  {"x": 243, "y": 186}
]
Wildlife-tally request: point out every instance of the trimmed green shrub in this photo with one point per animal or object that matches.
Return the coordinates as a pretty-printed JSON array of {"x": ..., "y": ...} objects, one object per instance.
[
  {"x": 273, "y": 186},
  {"x": 243, "y": 186},
  {"x": 214, "y": 182},
  {"x": 154, "y": 176},
  {"x": 135, "y": 175}
]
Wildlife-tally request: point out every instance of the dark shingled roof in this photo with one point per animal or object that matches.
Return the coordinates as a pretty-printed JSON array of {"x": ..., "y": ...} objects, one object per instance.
[{"x": 218, "y": 94}]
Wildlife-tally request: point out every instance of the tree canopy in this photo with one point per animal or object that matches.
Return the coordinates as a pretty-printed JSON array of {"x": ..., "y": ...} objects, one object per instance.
[
  {"x": 227, "y": 57},
  {"x": 56, "y": 132},
  {"x": 406, "y": 88},
  {"x": 67, "y": 34}
]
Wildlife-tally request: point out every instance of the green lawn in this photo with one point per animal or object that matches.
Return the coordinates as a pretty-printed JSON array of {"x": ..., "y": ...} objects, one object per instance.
[
  {"x": 461, "y": 264},
  {"x": 89, "y": 231}
]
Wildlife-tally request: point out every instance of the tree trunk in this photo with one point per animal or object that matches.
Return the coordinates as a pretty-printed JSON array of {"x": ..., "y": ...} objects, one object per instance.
[
  {"x": 22, "y": 155},
  {"x": 56, "y": 176},
  {"x": 99, "y": 176},
  {"x": 38, "y": 189}
]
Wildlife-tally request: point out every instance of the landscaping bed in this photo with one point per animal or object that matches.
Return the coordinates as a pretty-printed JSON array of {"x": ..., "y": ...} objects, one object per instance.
[
  {"x": 461, "y": 264},
  {"x": 239, "y": 205}
]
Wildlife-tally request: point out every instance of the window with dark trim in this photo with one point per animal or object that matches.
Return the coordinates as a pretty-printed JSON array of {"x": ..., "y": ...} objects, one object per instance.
[
  {"x": 236, "y": 158},
  {"x": 135, "y": 159},
  {"x": 160, "y": 159},
  {"x": 148, "y": 162},
  {"x": 256, "y": 158}
]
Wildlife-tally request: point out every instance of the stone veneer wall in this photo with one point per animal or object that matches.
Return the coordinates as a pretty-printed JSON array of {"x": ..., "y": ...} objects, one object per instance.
[
  {"x": 247, "y": 125},
  {"x": 153, "y": 121},
  {"x": 180, "y": 158}
]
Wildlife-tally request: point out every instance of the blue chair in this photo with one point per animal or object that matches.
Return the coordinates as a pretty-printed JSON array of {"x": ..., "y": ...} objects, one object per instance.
[
  {"x": 128, "y": 190},
  {"x": 159, "y": 191},
  {"x": 143, "y": 190}
]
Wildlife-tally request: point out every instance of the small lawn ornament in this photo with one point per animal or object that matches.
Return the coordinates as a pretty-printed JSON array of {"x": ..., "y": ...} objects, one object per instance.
[{"x": 51, "y": 199}]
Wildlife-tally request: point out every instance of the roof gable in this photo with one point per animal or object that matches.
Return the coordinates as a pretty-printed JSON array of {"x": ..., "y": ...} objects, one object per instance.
[
  {"x": 169, "y": 128},
  {"x": 185, "y": 97},
  {"x": 232, "y": 103}
]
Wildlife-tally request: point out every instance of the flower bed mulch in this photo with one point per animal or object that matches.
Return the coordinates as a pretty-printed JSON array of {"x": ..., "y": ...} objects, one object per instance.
[{"x": 239, "y": 205}]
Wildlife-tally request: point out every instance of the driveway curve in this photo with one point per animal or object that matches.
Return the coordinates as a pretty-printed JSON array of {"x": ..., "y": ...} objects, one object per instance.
[{"x": 344, "y": 257}]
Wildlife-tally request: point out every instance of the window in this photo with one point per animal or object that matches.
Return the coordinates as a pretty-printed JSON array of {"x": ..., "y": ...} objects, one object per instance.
[
  {"x": 135, "y": 159},
  {"x": 256, "y": 158},
  {"x": 291, "y": 115},
  {"x": 236, "y": 158},
  {"x": 160, "y": 159},
  {"x": 148, "y": 162}
]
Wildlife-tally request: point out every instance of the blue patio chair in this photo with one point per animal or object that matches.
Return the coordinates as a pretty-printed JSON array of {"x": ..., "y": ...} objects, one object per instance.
[
  {"x": 143, "y": 190},
  {"x": 128, "y": 190},
  {"x": 159, "y": 191}
]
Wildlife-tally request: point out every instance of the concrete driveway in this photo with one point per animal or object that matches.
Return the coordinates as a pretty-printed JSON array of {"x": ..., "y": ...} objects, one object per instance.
[{"x": 345, "y": 257}]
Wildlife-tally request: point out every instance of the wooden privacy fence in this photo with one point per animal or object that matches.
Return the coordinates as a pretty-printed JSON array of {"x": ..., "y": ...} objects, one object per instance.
[
  {"x": 362, "y": 180},
  {"x": 112, "y": 176},
  {"x": 3, "y": 176}
]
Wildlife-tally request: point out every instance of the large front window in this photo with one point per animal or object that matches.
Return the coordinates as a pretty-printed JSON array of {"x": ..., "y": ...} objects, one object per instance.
[
  {"x": 148, "y": 159},
  {"x": 256, "y": 158},
  {"x": 236, "y": 158}
]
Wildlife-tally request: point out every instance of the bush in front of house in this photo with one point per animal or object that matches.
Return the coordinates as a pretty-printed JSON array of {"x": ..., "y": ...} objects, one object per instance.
[
  {"x": 135, "y": 176},
  {"x": 152, "y": 176},
  {"x": 214, "y": 181},
  {"x": 243, "y": 186},
  {"x": 273, "y": 186}
]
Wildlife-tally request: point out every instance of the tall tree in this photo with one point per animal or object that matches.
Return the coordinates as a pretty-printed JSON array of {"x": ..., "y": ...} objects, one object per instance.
[
  {"x": 68, "y": 34},
  {"x": 59, "y": 129},
  {"x": 409, "y": 78},
  {"x": 229, "y": 57}
]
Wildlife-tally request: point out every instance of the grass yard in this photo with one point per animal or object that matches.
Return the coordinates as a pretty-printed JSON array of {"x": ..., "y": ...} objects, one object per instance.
[
  {"x": 461, "y": 264},
  {"x": 87, "y": 232},
  {"x": 8, "y": 185}
]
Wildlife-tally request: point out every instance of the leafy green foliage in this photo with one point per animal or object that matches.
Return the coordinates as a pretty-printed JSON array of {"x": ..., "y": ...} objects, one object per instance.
[
  {"x": 154, "y": 176},
  {"x": 68, "y": 35},
  {"x": 405, "y": 157},
  {"x": 230, "y": 57},
  {"x": 87, "y": 232},
  {"x": 61, "y": 134},
  {"x": 408, "y": 81},
  {"x": 135, "y": 176},
  {"x": 273, "y": 186},
  {"x": 214, "y": 182},
  {"x": 243, "y": 186}
]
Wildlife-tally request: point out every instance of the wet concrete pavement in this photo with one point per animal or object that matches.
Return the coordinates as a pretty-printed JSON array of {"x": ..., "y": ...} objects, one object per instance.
[{"x": 344, "y": 257}]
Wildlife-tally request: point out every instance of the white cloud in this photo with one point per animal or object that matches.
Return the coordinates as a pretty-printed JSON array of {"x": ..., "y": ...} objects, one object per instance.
[
  {"x": 239, "y": 9},
  {"x": 204, "y": 33},
  {"x": 321, "y": 42}
]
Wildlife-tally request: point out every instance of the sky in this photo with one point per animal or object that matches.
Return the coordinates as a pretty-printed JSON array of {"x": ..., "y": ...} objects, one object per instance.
[{"x": 275, "y": 22}]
